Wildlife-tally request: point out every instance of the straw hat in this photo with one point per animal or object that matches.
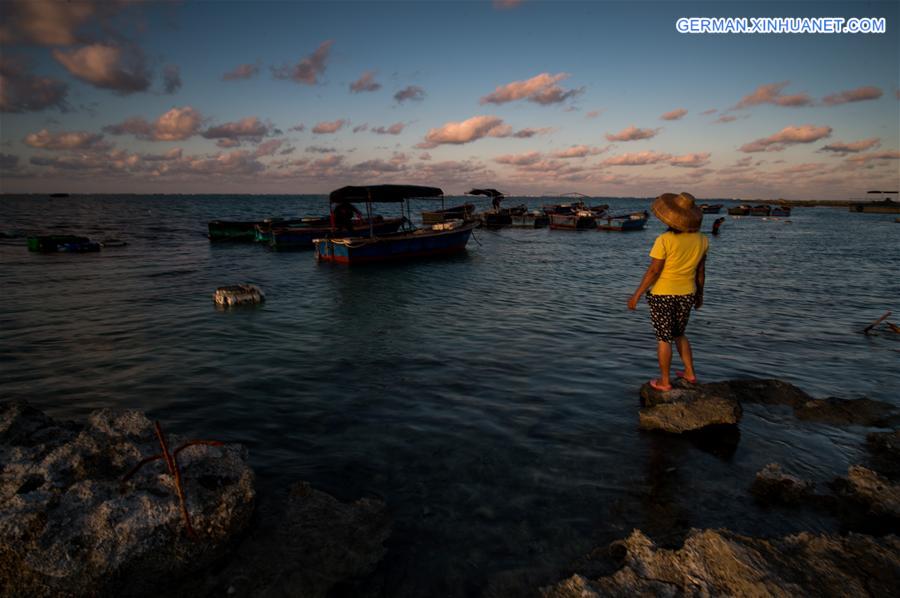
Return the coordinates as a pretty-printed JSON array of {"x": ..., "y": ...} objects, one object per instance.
[{"x": 678, "y": 211}]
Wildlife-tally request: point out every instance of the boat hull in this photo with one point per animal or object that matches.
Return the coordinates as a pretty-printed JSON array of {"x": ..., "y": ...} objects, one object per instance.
[
  {"x": 530, "y": 221},
  {"x": 738, "y": 211},
  {"x": 711, "y": 209},
  {"x": 302, "y": 238},
  {"x": 572, "y": 222},
  {"x": 397, "y": 247},
  {"x": 622, "y": 224}
]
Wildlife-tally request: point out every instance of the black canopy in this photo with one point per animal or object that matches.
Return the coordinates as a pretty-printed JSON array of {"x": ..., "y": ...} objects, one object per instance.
[
  {"x": 489, "y": 192},
  {"x": 383, "y": 193}
]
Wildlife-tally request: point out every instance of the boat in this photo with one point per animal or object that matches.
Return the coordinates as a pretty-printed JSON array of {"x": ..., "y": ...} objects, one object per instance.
[
  {"x": 625, "y": 222},
  {"x": 884, "y": 206},
  {"x": 263, "y": 230},
  {"x": 465, "y": 211},
  {"x": 710, "y": 208},
  {"x": 781, "y": 211},
  {"x": 496, "y": 217},
  {"x": 760, "y": 210},
  {"x": 741, "y": 210},
  {"x": 571, "y": 216},
  {"x": 443, "y": 238},
  {"x": 522, "y": 217},
  {"x": 62, "y": 243},
  {"x": 282, "y": 238}
]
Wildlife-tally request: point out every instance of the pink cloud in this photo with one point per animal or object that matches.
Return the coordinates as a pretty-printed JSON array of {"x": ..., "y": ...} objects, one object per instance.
[
  {"x": 246, "y": 129},
  {"x": 472, "y": 129},
  {"x": 725, "y": 118},
  {"x": 412, "y": 92},
  {"x": 328, "y": 127},
  {"x": 309, "y": 69},
  {"x": 268, "y": 148},
  {"x": 316, "y": 149},
  {"x": 394, "y": 129},
  {"x": 787, "y": 136},
  {"x": 20, "y": 91},
  {"x": 109, "y": 67},
  {"x": 366, "y": 82},
  {"x": 593, "y": 114},
  {"x": 174, "y": 125},
  {"x": 632, "y": 133},
  {"x": 708, "y": 112},
  {"x": 519, "y": 159},
  {"x": 529, "y": 132},
  {"x": 771, "y": 94},
  {"x": 860, "y": 94},
  {"x": 579, "y": 151},
  {"x": 241, "y": 71},
  {"x": 541, "y": 89},
  {"x": 691, "y": 160},
  {"x": 840, "y": 148},
  {"x": 885, "y": 155},
  {"x": 227, "y": 143},
  {"x": 676, "y": 114},
  {"x": 44, "y": 23},
  {"x": 82, "y": 140},
  {"x": 637, "y": 159}
]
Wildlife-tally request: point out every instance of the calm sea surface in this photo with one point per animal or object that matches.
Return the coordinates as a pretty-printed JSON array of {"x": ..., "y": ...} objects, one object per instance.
[{"x": 490, "y": 399}]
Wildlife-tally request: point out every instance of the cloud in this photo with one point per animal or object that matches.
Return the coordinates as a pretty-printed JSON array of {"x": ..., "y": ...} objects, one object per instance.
[
  {"x": 885, "y": 155},
  {"x": 541, "y": 89},
  {"x": 233, "y": 133},
  {"x": 309, "y": 69},
  {"x": 241, "y": 71},
  {"x": 327, "y": 127},
  {"x": 472, "y": 129},
  {"x": 412, "y": 92},
  {"x": 525, "y": 159},
  {"x": 841, "y": 149},
  {"x": 44, "y": 23},
  {"x": 171, "y": 78},
  {"x": 637, "y": 159},
  {"x": 72, "y": 140},
  {"x": 579, "y": 151},
  {"x": 771, "y": 94},
  {"x": 21, "y": 91},
  {"x": 117, "y": 68},
  {"x": 708, "y": 112},
  {"x": 528, "y": 132},
  {"x": 676, "y": 114},
  {"x": 691, "y": 160},
  {"x": 366, "y": 82},
  {"x": 268, "y": 148},
  {"x": 360, "y": 128},
  {"x": 725, "y": 118},
  {"x": 593, "y": 114},
  {"x": 174, "y": 125},
  {"x": 632, "y": 133},
  {"x": 787, "y": 136},
  {"x": 299, "y": 128},
  {"x": 860, "y": 94},
  {"x": 394, "y": 129},
  {"x": 316, "y": 149}
]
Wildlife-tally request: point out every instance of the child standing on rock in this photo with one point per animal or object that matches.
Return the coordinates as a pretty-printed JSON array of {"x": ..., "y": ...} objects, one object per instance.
[{"x": 674, "y": 282}]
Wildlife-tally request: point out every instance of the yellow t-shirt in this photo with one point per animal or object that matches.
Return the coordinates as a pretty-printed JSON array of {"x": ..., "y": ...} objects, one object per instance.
[{"x": 682, "y": 252}]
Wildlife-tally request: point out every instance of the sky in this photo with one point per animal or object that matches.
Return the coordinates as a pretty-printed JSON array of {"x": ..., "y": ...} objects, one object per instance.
[{"x": 530, "y": 97}]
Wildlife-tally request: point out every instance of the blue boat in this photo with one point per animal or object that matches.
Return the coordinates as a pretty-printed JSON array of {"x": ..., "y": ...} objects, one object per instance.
[
  {"x": 627, "y": 222},
  {"x": 444, "y": 238},
  {"x": 303, "y": 237}
]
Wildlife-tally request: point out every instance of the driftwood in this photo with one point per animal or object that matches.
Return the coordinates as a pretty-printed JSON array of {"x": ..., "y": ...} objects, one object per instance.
[{"x": 868, "y": 328}]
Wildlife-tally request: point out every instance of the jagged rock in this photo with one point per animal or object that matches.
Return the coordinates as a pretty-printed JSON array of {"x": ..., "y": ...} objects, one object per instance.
[
  {"x": 304, "y": 546},
  {"x": 685, "y": 408},
  {"x": 884, "y": 448},
  {"x": 773, "y": 486},
  {"x": 767, "y": 391},
  {"x": 69, "y": 526},
  {"x": 721, "y": 563},
  {"x": 878, "y": 496}
]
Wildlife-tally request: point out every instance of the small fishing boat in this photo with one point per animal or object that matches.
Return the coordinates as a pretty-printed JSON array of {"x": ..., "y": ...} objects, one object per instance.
[
  {"x": 781, "y": 211},
  {"x": 444, "y": 238},
  {"x": 62, "y": 244},
  {"x": 710, "y": 208},
  {"x": 283, "y": 238},
  {"x": 522, "y": 217},
  {"x": 263, "y": 230},
  {"x": 625, "y": 222},
  {"x": 741, "y": 210},
  {"x": 761, "y": 210},
  {"x": 496, "y": 217},
  {"x": 575, "y": 220},
  {"x": 465, "y": 211}
]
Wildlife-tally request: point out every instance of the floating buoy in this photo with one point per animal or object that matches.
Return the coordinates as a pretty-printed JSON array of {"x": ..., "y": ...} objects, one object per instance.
[{"x": 238, "y": 294}]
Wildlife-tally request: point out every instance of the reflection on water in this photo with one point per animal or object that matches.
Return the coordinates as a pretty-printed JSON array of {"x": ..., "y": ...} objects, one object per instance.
[{"x": 489, "y": 398}]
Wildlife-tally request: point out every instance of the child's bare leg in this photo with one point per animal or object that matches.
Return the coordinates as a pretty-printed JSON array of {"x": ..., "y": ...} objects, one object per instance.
[
  {"x": 664, "y": 353},
  {"x": 684, "y": 350}
]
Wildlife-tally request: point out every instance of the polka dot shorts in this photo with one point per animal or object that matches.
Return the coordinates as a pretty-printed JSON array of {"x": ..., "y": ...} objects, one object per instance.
[{"x": 669, "y": 314}]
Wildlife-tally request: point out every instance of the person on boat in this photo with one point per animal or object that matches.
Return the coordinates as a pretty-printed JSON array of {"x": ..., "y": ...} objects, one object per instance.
[
  {"x": 495, "y": 202},
  {"x": 343, "y": 217},
  {"x": 716, "y": 224},
  {"x": 674, "y": 282}
]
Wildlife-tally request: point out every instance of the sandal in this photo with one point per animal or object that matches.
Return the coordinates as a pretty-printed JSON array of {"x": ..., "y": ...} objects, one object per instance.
[
  {"x": 657, "y": 386},
  {"x": 680, "y": 374}
]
